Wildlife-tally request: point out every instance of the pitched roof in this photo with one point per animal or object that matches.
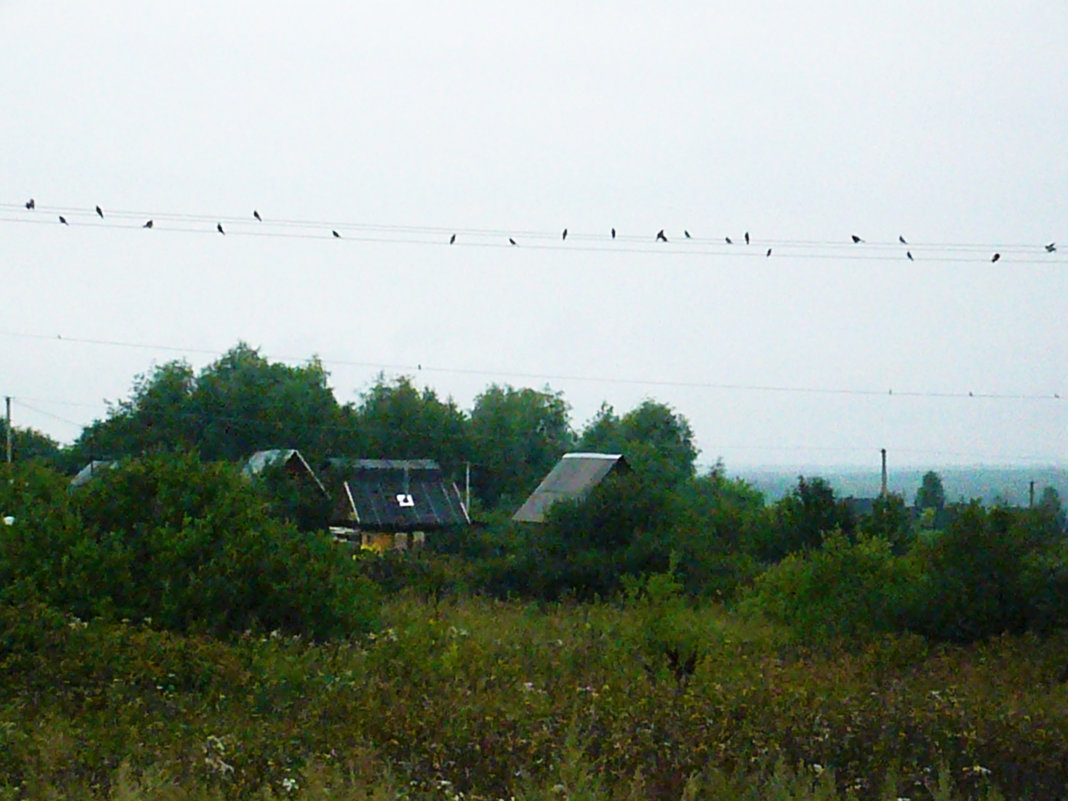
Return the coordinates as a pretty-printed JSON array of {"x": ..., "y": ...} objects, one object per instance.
[
  {"x": 396, "y": 495},
  {"x": 573, "y": 476},
  {"x": 95, "y": 467},
  {"x": 261, "y": 460}
]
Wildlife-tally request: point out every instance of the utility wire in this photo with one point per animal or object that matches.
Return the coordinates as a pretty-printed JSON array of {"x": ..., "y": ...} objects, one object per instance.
[{"x": 594, "y": 379}]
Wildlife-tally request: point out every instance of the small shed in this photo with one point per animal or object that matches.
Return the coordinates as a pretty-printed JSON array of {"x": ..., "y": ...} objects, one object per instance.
[
  {"x": 392, "y": 503},
  {"x": 572, "y": 477},
  {"x": 290, "y": 458}
]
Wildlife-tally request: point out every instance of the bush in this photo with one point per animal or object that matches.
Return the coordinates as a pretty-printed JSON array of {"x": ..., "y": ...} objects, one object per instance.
[
  {"x": 844, "y": 589},
  {"x": 186, "y": 544}
]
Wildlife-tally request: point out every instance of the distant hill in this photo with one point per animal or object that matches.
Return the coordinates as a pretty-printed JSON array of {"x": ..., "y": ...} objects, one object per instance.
[{"x": 989, "y": 484}]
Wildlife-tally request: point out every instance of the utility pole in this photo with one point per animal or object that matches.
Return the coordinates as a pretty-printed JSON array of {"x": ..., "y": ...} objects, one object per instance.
[
  {"x": 882, "y": 493},
  {"x": 7, "y": 428},
  {"x": 1031, "y": 499}
]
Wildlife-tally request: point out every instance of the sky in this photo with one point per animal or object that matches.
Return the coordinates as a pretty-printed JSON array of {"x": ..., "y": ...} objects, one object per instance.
[{"x": 399, "y": 124}]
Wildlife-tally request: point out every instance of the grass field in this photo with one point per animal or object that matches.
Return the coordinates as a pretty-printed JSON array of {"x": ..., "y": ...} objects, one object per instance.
[{"x": 480, "y": 699}]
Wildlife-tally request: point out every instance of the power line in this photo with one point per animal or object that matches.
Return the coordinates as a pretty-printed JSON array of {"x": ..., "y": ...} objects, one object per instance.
[
  {"x": 611, "y": 380},
  {"x": 436, "y": 235}
]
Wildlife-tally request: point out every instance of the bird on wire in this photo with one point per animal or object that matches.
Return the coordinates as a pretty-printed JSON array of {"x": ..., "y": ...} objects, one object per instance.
[
  {"x": 727, "y": 239},
  {"x": 338, "y": 236},
  {"x": 512, "y": 241},
  {"x": 613, "y": 233},
  {"x": 747, "y": 237},
  {"x": 901, "y": 239},
  {"x": 63, "y": 220},
  {"x": 995, "y": 257},
  {"x": 660, "y": 236},
  {"x": 219, "y": 228},
  {"x": 452, "y": 239},
  {"x": 857, "y": 240},
  {"x": 768, "y": 254},
  {"x": 99, "y": 212},
  {"x": 564, "y": 235},
  {"x": 31, "y": 204},
  {"x": 1051, "y": 247},
  {"x": 909, "y": 254},
  {"x": 687, "y": 234},
  {"x": 147, "y": 224},
  {"x": 256, "y": 214}
]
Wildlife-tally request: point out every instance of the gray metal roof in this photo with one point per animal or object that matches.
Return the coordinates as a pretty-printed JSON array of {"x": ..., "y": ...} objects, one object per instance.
[
  {"x": 95, "y": 467},
  {"x": 574, "y": 475},
  {"x": 396, "y": 495},
  {"x": 261, "y": 460}
]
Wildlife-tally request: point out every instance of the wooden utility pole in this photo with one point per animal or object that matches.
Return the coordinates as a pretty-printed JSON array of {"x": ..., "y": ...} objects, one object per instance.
[
  {"x": 7, "y": 428},
  {"x": 882, "y": 491}
]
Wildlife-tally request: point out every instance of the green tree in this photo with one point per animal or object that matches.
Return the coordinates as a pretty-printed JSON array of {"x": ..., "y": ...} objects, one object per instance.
[
  {"x": 931, "y": 494},
  {"x": 517, "y": 435},
  {"x": 396, "y": 420},
  {"x": 657, "y": 441},
  {"x": 28, "y": 443},
  {"x": 800, "y": 520}
]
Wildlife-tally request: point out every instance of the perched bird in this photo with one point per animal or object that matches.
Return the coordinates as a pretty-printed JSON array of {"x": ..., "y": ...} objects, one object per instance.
[
  {"x": 452, "y": 239},
  {"x": 338, "y": 236},
  {"x": 995, "y": 258},
  {"x": 909, "y": 254},
  {"x": 768, "y": 254},
  {"x": 31, "y": 204},
  {"x": 99, "y": 212},
  {"x": 901, "y": 239},
  {"x": 564, "y": 234},
  {"x": 857, "y": 240},
  {"x": 63, "y": 220},
  {"x": 256, "y": 214},
  {"x": 660, "y": 236},
  {"x": 511, "y": 240},
  {"x": 687, "y": 233},
  {"x": 219, "y": 228},
  {"x": 728, "y": 240},
  {"x": 147, "y": 224},
  {"x": 1050, "y": 248},
  {"x": 747, "y": 237},
  {"x": 613, "y": 233}
]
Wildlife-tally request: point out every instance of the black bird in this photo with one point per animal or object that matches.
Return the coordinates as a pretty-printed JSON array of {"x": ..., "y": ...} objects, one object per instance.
[
  {"x": 909, "y": 254},
  {"x": 147, "y": 224},
  {"x": 687, "y": 233},
  {"x": 901, "y": 239},
  {"x": 1050, "y": 248},
  {"x": 747, "y": 237},
  {"x": 336, "y": 235},
  {"x": 63, "y": 220},
  {"x": 256, "y": 214},
  {"x": 511, "y": 240},
  {"x": 768, "y": 254},
  {"x": 219, "y": 228},
  {"x": 995, "y": 258},
  {"x": 728, "y": 240},
  {"x": 857, "y": 240},
  {"x": 613, "y": 233},
  {"x": 31, "y": 204},
  {"x": 99, "y": 212},
  {"x": 660, "y": 236},
  {"x": 452, "y": 239},
  {"x": 564, "y": 235}
]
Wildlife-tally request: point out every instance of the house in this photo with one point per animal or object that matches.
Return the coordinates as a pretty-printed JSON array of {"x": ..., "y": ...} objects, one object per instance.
[
  {"x": 388, "y": 504},
  {"x": 291, "y": 460},
  {"x": 91, "y": 470},
  {"x": 572, "y": 477}
]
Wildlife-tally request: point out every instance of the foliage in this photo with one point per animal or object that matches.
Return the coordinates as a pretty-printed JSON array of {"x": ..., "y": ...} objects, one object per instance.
[
  {"x": 517, "y": 435},
  {"x": 656, "y": 441},
  {"x": 931, "y": 494},
  {"x": 184, "y": 543},
  {"x": 492, "y": 700},
  {"x": 28, "y": 443},
  {"x": 800, "y": 520}
]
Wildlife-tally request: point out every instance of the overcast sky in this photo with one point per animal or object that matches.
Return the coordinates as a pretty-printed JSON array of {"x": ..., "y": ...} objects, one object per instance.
[{"x": 399, "y": 123}]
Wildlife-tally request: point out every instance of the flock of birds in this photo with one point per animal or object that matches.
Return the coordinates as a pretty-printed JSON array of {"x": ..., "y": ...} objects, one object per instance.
[{"x": 1050, "y": 247}]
